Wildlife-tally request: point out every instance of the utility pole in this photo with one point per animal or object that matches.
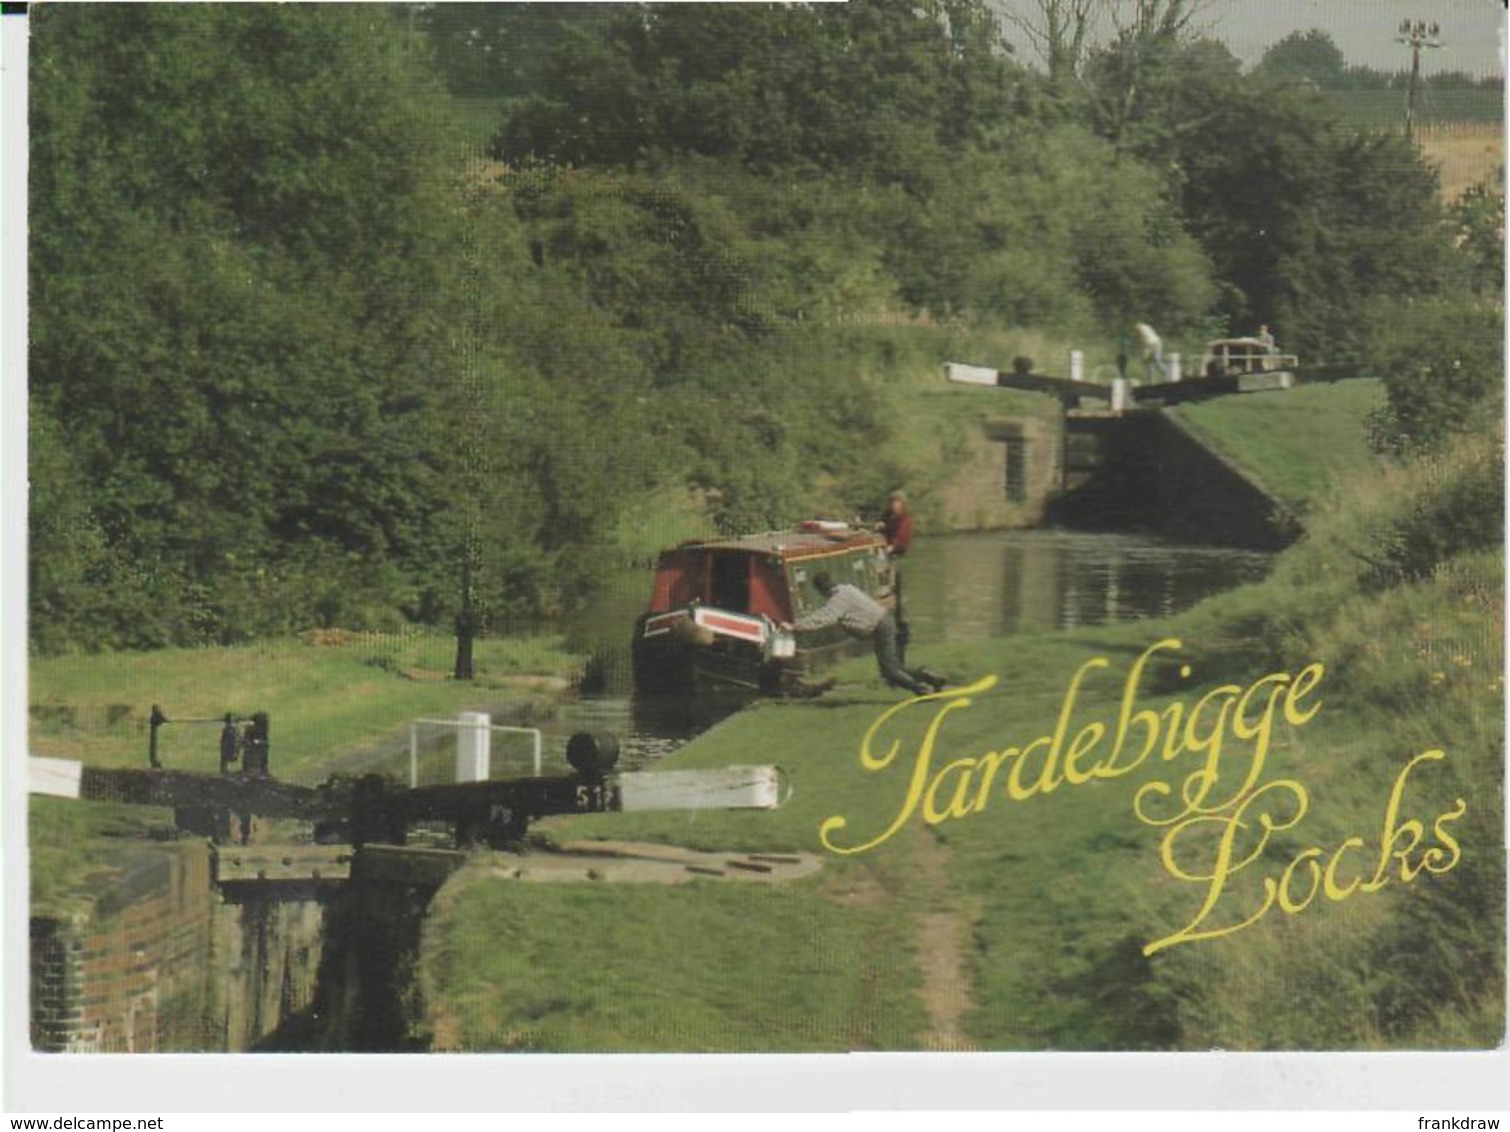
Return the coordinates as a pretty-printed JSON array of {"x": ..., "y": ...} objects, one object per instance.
[{"x": 1418, "y": 34}]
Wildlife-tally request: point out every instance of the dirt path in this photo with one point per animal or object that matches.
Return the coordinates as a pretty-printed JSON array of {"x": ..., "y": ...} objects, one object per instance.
[{"x": 944, "y": 947}]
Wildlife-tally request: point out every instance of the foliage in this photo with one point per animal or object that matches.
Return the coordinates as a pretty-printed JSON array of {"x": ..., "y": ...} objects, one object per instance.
[
  {"x": 924, "y": 165},
  {"x": 1139, "y": 83},
  {"x": 1442, "y": 363},
  {"x": 299, "y": 358},
  {"x": 1310, "y": 57},
  {"x": 1478, "y": 217},
  {"x": 858, "y": 87},
  {"x": 1306, "y": 219},
  {"x": 1308, "y": 222},
  {"x": 235, "y": 313}
]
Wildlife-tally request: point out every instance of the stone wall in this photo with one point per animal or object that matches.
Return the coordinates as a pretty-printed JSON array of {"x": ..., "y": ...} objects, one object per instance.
[
  {"x": 158, "y": 962},
  {"x": 1146, "y": 471},
  {"x": 1002, "y": 476}
]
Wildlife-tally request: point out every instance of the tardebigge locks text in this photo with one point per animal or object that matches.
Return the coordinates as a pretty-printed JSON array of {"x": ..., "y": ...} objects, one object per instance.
[{"x": 1208, "y": 792}]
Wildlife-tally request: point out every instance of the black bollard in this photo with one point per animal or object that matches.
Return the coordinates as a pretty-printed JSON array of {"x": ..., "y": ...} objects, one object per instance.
[{"x": 592, "y": 755}]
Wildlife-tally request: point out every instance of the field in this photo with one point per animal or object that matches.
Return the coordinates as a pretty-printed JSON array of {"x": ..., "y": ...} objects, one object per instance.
[
  {"x": 1461, "y": 132},
  {"x": 1433, "y": 106},
  {"x": 1465, "y": 154}
]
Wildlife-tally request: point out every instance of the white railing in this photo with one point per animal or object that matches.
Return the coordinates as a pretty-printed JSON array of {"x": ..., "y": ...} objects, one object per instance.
[{"x": 473, "y": 749}]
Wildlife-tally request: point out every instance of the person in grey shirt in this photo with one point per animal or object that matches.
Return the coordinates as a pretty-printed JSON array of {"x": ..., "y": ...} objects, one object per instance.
[
  {"x": 1153, "y": 351},
  {"x": 860, "y": 615}
]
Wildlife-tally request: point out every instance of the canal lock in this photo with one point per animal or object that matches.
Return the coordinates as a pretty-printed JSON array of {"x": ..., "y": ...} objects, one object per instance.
[
  {"x": 280, "y": 944},
  {"x": 173, "y": 961}
]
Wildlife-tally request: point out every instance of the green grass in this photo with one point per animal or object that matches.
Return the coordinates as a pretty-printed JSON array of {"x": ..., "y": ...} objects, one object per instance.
[
  {"x": 644, "y": 968},
  {"x": 330, "y": 705},
  {"x": 1058, "y": 893},
  {"x": 932, "y": 415},
  {"x": 1301, "y": 444},
  {"x": 1063, "y": 890},
  {"x": 327, "y": 700}
]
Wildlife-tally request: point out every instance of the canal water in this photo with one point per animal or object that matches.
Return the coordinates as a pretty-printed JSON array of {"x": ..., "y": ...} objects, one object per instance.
[
  {"x": 957, "y": 587},
  {"x": 970, "y": 586}
]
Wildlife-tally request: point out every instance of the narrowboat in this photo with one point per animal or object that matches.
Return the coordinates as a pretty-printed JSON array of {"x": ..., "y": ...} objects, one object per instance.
[{"x": 717, "y": 607}]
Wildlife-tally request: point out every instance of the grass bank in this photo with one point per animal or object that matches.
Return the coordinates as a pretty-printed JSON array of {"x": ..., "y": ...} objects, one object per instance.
[
  {"x": 1302, "y": 445},
  {"x": 1361, "y": 907}
]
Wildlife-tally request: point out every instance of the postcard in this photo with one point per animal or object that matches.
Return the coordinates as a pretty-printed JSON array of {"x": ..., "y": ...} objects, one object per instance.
[{"x": 959, "y": 535}]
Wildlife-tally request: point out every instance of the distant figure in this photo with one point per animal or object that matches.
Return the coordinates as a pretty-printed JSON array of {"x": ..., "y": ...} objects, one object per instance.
[
  {"x": 1267, "y": 339},
  {"x": 861, "y": 616},
  {"x": 1153, "y": 351},
  {"x": 1122, "y": 360},
  {"x": 896, "y": 528},
  {"x": 896, "y": 524}
]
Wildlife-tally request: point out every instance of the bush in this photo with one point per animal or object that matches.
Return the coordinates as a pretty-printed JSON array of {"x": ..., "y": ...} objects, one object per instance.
[{"x": 1442, "y": 360}]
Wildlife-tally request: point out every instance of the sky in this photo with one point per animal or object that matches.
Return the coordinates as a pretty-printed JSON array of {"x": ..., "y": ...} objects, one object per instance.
[{"x": 1472, "y": 31}]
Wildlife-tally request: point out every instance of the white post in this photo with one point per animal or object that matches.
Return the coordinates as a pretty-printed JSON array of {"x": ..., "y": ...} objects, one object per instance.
[
  {"x": 413, "y": 755},
  {"x": 473, "y": 746},
  {"x": 969, "y": 375},
  {"x": 1119, "y": 394},
  {"x": 1174, "y": 367},
  {"x": 1077, "y": 365}
]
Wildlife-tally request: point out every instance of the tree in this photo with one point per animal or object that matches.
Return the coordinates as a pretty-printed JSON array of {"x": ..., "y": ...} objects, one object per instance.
[
  {"x": 1442, "y": 359},
  {"x": 1478, "y": 221},
  {"x": 1059, "y": 31},
  {"x": 857, "y": 87},
  {"x": 498, "y": 50},
  {"x": 1128, "y": 78},
  {"x": 1308, "y": 221},
  {"x": 238, "y": 266},
  {"x": 1310, "y": 57}
]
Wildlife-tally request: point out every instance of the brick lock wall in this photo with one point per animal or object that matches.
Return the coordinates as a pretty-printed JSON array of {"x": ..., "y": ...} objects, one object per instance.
[
  {"x": 134, "y": 974},
  {"x": 161, "y": 962}
]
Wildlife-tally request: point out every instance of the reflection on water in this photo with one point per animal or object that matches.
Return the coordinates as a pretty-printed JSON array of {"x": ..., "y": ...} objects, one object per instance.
[
  {"x": 648, "y": 728},
  {"x": 970, "y": 586},
  {"x": 958, "y": 587}
]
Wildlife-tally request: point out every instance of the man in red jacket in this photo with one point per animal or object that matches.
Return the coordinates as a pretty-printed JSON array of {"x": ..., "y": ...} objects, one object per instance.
[
  {"x": 896, "y": 525},
  {"x": 896, "y": 528}
]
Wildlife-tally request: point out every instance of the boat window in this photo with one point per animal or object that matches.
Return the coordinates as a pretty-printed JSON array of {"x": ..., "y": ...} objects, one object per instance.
[
  {"x": 867, "y": 572},
  {"x": 804, "y": 597},
  {"x": 731, "y": 582},
  {"x": 769, "y": 596}
]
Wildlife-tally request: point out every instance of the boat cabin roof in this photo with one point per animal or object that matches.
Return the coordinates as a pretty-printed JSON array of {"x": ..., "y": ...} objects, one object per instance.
[{"x": 792, "y": 543}]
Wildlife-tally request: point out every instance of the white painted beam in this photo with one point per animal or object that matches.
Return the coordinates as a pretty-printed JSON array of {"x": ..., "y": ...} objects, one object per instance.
[
  {"x": 719, "y": 788},
  {"x": 58, "y": 778},
  {"x": 969, "y": 375}
]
